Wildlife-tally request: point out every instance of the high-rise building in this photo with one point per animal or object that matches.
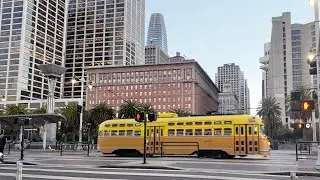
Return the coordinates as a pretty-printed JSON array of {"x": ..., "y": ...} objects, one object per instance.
[
  {"x": 287, "y": 67},
  {"x": 155, "y": 55},
  {"x": 103, "y": 33},
  {"x": 157, "y": 34},
  {"x": 232, "y": 74},
  {"x": 32, "y": 32},
  {"x": 228, "y": 101},
  {"x": 265, "y": 61}
]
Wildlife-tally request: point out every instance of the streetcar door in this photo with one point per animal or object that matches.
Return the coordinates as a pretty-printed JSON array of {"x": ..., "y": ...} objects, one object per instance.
[
  {"x": 252, "y": 139},
  {"x": 240, "y": 139},
  {"x": 154, "y": 134}
]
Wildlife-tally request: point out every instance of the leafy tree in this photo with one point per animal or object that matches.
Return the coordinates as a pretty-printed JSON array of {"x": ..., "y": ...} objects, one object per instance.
[
  {"x": 181, "y": 112},
  {"x": 270, "y": 112},
  {"x": 16, "y": 110},
  {"x": 41, "y": 110},
  {"x": 128, "y": 109},
  {"x": 147, "y": 108},
  {"x": 1, "y": 112},
  {"x": 72, "y": 124}
]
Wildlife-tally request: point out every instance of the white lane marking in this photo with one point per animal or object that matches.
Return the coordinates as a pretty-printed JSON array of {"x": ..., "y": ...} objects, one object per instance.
[
  {"x": 53, "y": 177},
  {"x": 139, "y": 174}
]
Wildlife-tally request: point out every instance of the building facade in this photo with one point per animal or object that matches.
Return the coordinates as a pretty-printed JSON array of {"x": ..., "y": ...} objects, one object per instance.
[
  {"x": 165, "y": 86},
  {"x": 228, "y": 101},
  {"x": 32, "y": 33},
  {"x": 287, "y": 67},
  {"x": 103, "y": 33},
  {"x": 232, "y": 74},
  {"x": 155, "y": 55},
  {"x": 157, "y": 33}
]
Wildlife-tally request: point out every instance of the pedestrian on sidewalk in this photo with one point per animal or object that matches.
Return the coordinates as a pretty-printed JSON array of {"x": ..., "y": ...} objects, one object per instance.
[{"x": 2, "y": 145}]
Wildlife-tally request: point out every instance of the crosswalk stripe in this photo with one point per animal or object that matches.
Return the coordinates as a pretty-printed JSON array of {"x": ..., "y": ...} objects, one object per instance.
[
  {"x": 134, "y": 174},
  {"x": 53, "y": 177}
]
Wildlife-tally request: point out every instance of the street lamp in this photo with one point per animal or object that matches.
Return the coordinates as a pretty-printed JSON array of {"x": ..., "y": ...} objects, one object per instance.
[{"x": 82, "y": 80}]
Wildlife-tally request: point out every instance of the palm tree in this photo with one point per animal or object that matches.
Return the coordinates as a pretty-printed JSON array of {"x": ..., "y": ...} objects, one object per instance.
[
  {"x": 128, "y": 109},
  {"x": 100, "y": 113},
  {"x": 41, "y": 110},
  {"x": 72, "y": 123},
  {"x": 147, "y": 108},
  {"x": 181, "y": 112},
  {"x": 270, "y": 111},
  {"x": 1, "y": 112},
  {"x": 16, "y": 110}
]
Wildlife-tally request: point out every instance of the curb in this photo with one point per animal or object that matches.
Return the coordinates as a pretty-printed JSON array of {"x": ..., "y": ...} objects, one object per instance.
[
  {"x": 298, "y": 173},
  {"x": 141, "y": 167}
]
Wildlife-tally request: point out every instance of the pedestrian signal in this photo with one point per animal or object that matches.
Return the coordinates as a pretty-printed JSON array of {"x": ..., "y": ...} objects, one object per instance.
[
  {"x": 307, "y": 105},
  {"x": 140, "y": 117},
  {"x": 152, "y": 117},
  {"x": 308, "y": 125}
]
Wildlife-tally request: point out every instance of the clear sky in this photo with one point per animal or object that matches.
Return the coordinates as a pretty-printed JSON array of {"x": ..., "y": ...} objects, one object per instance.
[{"x": 215, "y": 32}]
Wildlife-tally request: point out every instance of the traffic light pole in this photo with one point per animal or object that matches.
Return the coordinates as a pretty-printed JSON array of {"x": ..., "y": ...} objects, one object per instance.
[{"x": 145, "y": 140}]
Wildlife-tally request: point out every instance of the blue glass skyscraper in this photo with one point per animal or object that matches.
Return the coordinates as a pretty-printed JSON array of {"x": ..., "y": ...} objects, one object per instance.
[{"x": 157, "y": 34}]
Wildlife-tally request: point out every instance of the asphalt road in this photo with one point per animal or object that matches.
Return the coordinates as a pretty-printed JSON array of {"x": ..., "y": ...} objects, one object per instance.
[{"x": 8, "y": 172}]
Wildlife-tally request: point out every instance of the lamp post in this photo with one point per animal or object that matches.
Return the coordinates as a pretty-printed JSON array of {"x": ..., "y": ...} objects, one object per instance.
[
  {"x": 52, "y": 72},
  {"x": 82, "y": 81}
]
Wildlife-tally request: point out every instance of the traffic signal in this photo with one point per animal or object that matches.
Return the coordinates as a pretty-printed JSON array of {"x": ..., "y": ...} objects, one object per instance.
[
  {"x": 295, "y": 95},
  {"x": 313, "y": 67},
  {"x": 79, "y": 109},
  {"x": 152, "y": 117},
  {"x": 140, "y": 117},
  {"x": 300, "y": 125},
  {"x": 307, "y": 105}
]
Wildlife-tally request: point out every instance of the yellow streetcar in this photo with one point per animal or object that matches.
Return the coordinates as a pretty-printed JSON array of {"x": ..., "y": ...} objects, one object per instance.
[{"x": 223, "y": 136}]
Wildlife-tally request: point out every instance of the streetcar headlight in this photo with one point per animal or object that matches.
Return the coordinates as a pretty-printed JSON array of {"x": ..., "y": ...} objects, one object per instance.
[{"x": 269, "y": 143}]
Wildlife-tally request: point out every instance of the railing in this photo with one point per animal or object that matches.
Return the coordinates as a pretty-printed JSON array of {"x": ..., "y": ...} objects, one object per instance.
[
  {"x": 305, "y": 148},
  {"x": 179, "y": 144},
  {"x": 71, "y": 146}
]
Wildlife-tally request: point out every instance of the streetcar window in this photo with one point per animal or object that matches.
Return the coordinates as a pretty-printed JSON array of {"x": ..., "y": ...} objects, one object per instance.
[
  {"x": 237, "y": 130},
  {"x": 170, "y": 124},
  {"x": 227, "y": 131},
  {"x": 171, "y": 132},
  {"x": 137, "y": 133},
  {"x": 227, "y": 122},
  {"x": 122, "y": 125},
  {"x": 107, "y": 125},
  {"x": 121, "y": 132},
  {"x": 129, "y": 132},
  {"x": 207, "y": 123},
  {"x": 255, "y": 130},
  {"x": 129, "y": 125},
  {"x": 114, "y": 133},
  {"x": 250, "y": 130},
  {"x": 189, "y": 132},
  {"x": 198, "y": 132},
  {"x": 138, "y": 124},
  {"x": 180, "y": 132},
  {"x": 198, "y": 123},
  {"x": 217, "y": 122},
  {"x": 114, "y": 125},
  {"x": 242, "y": 132},
  {"x": 188, "y": 123},
  {"x": 208, "y": 132},
  {"x": 180, "y": 123},
  {"x": 217, "y": 132},
  {"x": 106, "y": 133}
]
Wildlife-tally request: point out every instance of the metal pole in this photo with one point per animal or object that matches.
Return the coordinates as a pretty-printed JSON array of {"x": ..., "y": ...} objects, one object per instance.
[
  {"x": 22, "y": 143},
  {"x": 81, "y": 103},
  {"x": 145, "y": 140},
  {"x": 316, "y": 15},
  {"x": 88, "y": 140}
]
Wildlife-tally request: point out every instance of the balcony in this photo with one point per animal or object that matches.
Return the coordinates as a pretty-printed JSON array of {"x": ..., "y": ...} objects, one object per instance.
[
  {"x": 264, "y": 67},
  {"x": 264, "y": 60}
]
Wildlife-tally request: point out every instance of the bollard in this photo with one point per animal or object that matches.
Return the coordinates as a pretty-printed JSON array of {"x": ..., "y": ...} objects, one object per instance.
[
  {"x": 293, "y": 176},
  {"x": 19, "y": 171},
  {"x": 318, "y": 160}
]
